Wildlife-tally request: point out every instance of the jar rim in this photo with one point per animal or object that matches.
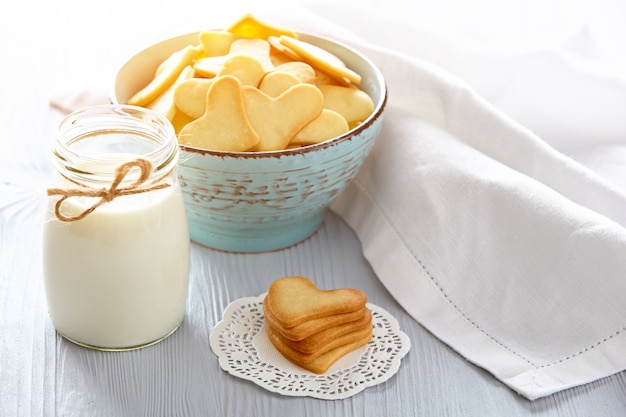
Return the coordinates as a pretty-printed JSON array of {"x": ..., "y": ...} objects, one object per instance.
[{"x": 151, "y": 133}]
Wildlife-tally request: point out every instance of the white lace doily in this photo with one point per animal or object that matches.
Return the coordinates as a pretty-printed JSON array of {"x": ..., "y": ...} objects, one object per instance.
[{"x": 244, "y": 350}]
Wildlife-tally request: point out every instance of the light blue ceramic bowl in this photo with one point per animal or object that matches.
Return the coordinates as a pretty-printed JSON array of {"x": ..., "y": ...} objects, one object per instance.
[{"x": 254, "y": 202}]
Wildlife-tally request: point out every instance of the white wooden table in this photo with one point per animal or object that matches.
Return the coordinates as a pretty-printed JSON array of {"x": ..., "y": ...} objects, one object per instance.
[{"x": 44, "y": 375}]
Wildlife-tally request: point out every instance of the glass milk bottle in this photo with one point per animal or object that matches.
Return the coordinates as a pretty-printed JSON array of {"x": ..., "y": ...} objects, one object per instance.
[{"x": 116, "y": 243}]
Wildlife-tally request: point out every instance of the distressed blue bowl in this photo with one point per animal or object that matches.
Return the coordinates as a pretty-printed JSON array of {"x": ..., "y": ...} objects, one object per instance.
[{"x": 263, "y": 201}]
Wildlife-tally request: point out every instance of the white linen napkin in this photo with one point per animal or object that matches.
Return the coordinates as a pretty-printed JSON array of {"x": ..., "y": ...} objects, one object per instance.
[{"x": 506, "y": 250}]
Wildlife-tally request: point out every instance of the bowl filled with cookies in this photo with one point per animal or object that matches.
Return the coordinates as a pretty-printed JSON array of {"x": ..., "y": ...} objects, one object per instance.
[{"x": 272, "y": 125}]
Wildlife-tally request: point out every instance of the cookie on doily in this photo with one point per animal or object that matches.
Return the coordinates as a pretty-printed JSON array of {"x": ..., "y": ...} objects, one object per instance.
[{"x": 243, "y": 348}]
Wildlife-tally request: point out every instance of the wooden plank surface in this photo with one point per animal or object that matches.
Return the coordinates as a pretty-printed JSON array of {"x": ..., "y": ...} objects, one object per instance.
[{"x": 181, "y": 377}]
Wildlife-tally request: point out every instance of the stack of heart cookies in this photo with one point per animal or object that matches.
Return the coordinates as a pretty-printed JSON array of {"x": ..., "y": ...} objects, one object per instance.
[{"x": 314, "y": 328}]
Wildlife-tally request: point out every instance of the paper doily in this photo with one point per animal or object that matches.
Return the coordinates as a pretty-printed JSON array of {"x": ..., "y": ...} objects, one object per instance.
[{"x": 244, "y": 350}]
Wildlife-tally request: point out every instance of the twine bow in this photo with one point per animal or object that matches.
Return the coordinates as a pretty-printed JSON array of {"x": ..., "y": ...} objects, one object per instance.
[{"x": 107, "y": 194}]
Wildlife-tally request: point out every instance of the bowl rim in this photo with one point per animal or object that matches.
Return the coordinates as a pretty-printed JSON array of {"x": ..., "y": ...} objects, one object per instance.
[{"x": 355, "y": 131}]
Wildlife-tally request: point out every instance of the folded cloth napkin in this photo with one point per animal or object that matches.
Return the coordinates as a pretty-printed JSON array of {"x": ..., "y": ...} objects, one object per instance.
[{"x": 506, "y": 250}]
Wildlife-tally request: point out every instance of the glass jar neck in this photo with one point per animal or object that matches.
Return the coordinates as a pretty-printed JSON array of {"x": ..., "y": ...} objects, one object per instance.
[{"x": 93, "y": 144}]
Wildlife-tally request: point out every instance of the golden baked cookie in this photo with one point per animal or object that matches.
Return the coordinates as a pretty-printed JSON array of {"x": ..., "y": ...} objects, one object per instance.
[
  {"x": 322, "y": 341},
  {"x": 311, "y": 327},
  {"x": 294, "y": 300},
  {"x": 320, "y": 363}
]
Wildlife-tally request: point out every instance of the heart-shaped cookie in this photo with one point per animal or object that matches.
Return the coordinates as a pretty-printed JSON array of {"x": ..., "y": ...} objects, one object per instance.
[
  {"x": 258, "y": 49},
  {"x": 164, "y": 103},
  {"x": 303, "y": 71},
  {"x": 245, "y": 67},
  {"x": 319, "y": 364},
  {"x": 329, "y": 124},
  {"x": 275, "y": 83},
  {"x": 224, "y": 125},
  {"x": 252, "y": 27},
  {"x": 190, "y": 96},
  {"x": 311, "y": 327},
  {"x": 353, "y": 104},
  {"x": 294, "y": 300},
  {"x": 323, "y": 341},
  {"x": 321, "y": 59},
  {"x": 277, "y": 119},
  {"x": 216, "y": 42},
  {"x": 165, "y": 76},
  {"x": 363, "y": 334}
]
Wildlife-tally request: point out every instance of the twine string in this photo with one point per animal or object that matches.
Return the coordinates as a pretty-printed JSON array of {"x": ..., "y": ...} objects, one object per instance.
[{"x": 107, "y": 195}]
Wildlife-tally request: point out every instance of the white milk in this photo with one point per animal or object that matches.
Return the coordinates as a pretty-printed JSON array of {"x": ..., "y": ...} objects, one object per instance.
[{"x": 118, "y": 278}]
